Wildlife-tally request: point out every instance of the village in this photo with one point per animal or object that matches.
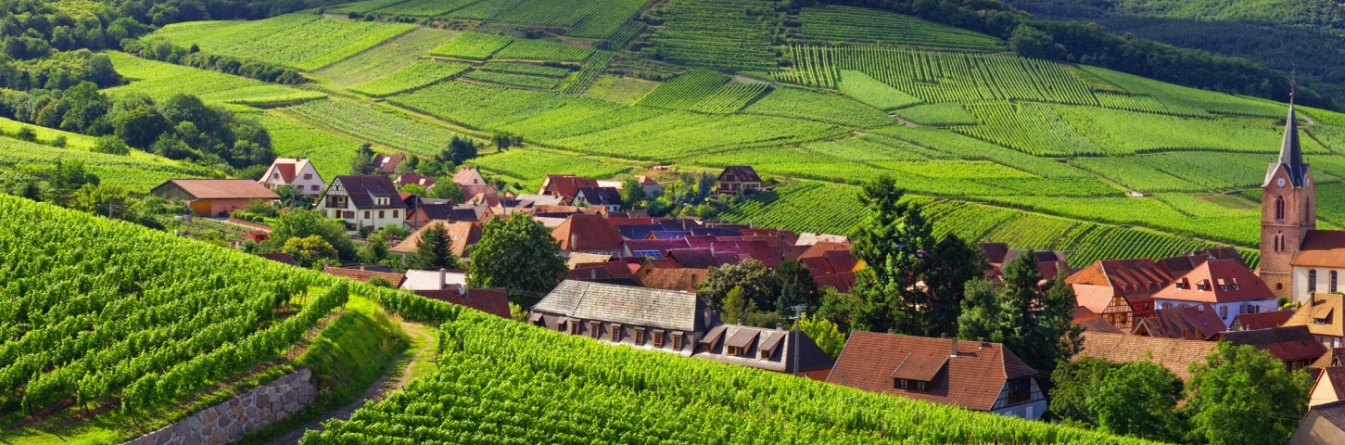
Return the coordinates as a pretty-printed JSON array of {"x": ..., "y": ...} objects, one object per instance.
[{"x": 678, "y": 284}]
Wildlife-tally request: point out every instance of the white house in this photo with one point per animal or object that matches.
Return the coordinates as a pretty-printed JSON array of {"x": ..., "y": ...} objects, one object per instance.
[
  {"x": 1227, "y": 285},
  {"x": 369, "y": 201},
  {"x": 650, "y": 186},
  {"x": 1319, "y": 264},
  {"x": 297, "y": 172}
]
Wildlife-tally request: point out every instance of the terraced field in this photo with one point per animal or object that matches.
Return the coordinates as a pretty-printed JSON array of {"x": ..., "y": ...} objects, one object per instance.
[
  {"x": 304, "y": 42},
  {"x": 161, "y": 80},
  {"x": 381, "y": 127},
  {"x": 387, "y": 58}
]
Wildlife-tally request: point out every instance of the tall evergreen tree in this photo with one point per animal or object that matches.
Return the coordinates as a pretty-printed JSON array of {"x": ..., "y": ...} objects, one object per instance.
[
  {"x": 362, "y": 162},
  {"x": 434, "y": 251},
  {"x": 1033, "y": 320},
  {"x": 894, "y": 240}
]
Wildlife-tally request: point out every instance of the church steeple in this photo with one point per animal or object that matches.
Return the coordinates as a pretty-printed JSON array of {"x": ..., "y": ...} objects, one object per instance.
[{"x": 1291, "y": 155}]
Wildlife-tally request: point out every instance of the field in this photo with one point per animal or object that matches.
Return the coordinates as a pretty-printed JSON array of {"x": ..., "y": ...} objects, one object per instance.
[
  {"x": 523, "y": 68},
  {"x": 524, "y": 49},
  {"x": 716, "y": 34},
  {"x": 623, "y": 90},
  {"x": 685, "y": 91},
  {"x": 478, "y": 106},
  {"x": 48, "y": 135},
  {"x": 377, "y": 126},
  {"x": 305, "y": 42},
  {"x": 590, "y": 72},
  {"x": 516, "y": 80},
  {"x": 161, "y": 80},
  {"x": 1183, "y": 101},
  {"x": 472, "y": 46},
  {"x": 873, "y": 93},
  {"x": 1032, "y": 128},
  {"x": 818, "y": 106},
  {"x": 859, "y": 25},
  {"x": 531, "y": 166},
  {"x": 416, "y": 75},
  {"x": 1124, "y": 132},
  {"x": 329, "y": 153},
  {"x": 944, "y": 114},
  {"x": 387, "y": 58},
  {"x": 137, "y": 172}
]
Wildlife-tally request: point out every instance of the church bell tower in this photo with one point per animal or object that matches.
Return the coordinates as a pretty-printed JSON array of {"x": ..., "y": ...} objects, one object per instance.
[{"x": 1287, "y": 210}]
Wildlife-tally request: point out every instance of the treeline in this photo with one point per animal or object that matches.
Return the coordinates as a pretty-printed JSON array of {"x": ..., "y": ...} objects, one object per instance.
[
  {"x": 163, "y": 12},
  {"x": 162, "y": 50},
  {"x": 1095, "y": 45}
]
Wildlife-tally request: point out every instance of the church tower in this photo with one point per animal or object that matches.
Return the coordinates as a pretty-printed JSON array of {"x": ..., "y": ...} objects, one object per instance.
[{"x": 1287, "y": 210}]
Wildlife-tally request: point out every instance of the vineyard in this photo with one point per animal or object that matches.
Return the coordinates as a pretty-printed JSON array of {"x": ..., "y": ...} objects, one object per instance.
[
  {"x": 473, "y": 46},
  {"x": 944, "y": 114},
  {"x": 523, "y": 68},
  {"x": 478, "y": 106},
  {"x": 329, "y": 153},
  {"x": 1032, "y": 128},
  {"x": 716, "y": 34},
  {"x": 873, "y": 93},
  {"x": 818, "y": 106},
  {"x": 589, "y": 72},
  {"x": 305, "y": 42},
  {"x": 516, "y": 80},
  {"x": 137, "y": 172},
  {"x": 531, "y": 166},
  {"x": 416, "y": 75},
  {"x": 160, "y": 81},
  {"x": 377, "y": 126},
  {"x": 385, "y": 59},
  {"x": 523, "y": 49},
  {"x": 859, "y": 25},
  {"x": 48, "y": 136}
]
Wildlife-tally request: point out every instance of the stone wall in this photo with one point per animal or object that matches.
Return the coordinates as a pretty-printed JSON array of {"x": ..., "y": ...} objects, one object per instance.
[{"x": 250, "y": 411}]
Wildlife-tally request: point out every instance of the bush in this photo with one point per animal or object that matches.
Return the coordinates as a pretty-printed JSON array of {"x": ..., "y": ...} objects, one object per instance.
[
  {"x": 111, "y": 145},
  {"x": 26, "y": 133}
]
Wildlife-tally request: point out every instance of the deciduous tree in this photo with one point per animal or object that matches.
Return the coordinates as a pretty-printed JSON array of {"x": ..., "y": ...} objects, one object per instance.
[
  {"x": 1243, "y": 395},
  {"x": 519, "y": 254},
  {"x": 310, "y": 250},
  {"x": 751, "y": 275}
]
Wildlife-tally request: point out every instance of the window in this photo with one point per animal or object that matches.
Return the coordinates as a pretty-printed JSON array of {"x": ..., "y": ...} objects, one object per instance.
[
  {"x": 616, "y": 333},
  {"x": 381, "y": 215},
  {"x": 308, "y": 176},
  {"x": 394, "y": 214},
  {"x": 902, "y": 383},
  {"x": 1312, "y": 280},
  {"x": 658, "y": 339},
  {"x": 639, "y": 336},
  {"x": 1333, "y": 282},
  {"x": 1335, "y": 342},
  {"x": 1020, "y": 390},
  {"x": 1279, "y": 208},
  {"x": 1223, "y": 311},
  {"x": 919, "y": 385},
  {"x": 366, "y": 214},
  {"x": 350, "y": 214},
  {"x": 1252, "y": 309},
  {"x": 275, "y": 175},
  {"x": 737, "y": 351},
  {"x": 594, "y": 329},
  {"x": 314, "y": 187},
  {"x": 677, "y": 341}
]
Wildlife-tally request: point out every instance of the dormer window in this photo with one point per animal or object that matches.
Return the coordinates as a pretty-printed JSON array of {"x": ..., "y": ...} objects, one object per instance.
[
  {"x": 616, "y": 332},
  {"x": 658, "y": 339},
  {"x": 737, "y": 351},
  {"x": 639, "y": 336},
  {"x": 677, "y": 341},
  {"x": 912, "y": 385}
]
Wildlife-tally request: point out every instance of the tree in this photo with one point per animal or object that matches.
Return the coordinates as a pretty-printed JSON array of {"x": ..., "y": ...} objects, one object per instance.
[
  {"x": 309, "y": 250},
  {"x": 290, "y": 194},
  {"x": 736, "y": 305},
  {"x": 141, "y": 127},
  {"x": 101, "y": 199},
  {"x": 1243, "y": 395},
  {"x": 750, "y": 275},
  {"x": 518, "y": 254},
  {"x": 434, "y": 251},
  {"x": 301, "y": 223},
  {"x": 632, "y": 193},
  {"x": 980, "y": 317},
  {"x": 414, "y": 189},
  {"x": 825, "y": 333},
  {"x": 444, "y": 188},
  {"x": 1036, "y": 322},
  {"x": 837, "y": 307},
  {"x": 374, "y": 252},
  {"x": 459, "y": 150},
  {"x": 1073, "y": 383},
  {"x": 1031, "y": 42},
  {"x": 951, "y": 265},
  {"x": 503, "y": 141},
  {"x": 1139, "y": 399},
  {"x": 111, "y": 145},
  {"x": 893, "y": 239},
  {"x": 362, "y": 162},
  {"x": 796, "y": 286}
]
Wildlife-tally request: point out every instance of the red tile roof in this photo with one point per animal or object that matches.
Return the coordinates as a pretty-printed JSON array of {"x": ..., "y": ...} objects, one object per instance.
[
  {"x": 841, "y": 281},
  {"x": 1092, "y": 322},
  {"x": 973, "y": 379},
  {"x": 220, "y": 188},
  {"x": 588, "y": 233},
  {"x": 1174, "y": 354},
  {"x": 757, "y": 250},
  {"x": 388, "y": 163},
  {"x": 1261, "y": 320},
  {"x": 460, "y": 234},
  {"x": 566, "y": 186},
  {"x": 1198, "y": 322},
  {"x": 1126, "y": 277},
  {"x": 674, "y": 279},
  {"x": 286, "y": 171},
  {"x": 1217, "y": 281},
  {"x": 281, "y": 257},
  {"x": 1322, "y": 248},
  {"x": 1290, "y": 343},
  {"x": 489, "y": 300},
  {"x": 822, "y": 247}
]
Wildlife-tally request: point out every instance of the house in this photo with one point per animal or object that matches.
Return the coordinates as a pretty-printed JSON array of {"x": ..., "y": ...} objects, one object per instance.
[
  {"x": 1260, "y": 320},
  {"x": 1324, "y": 425},
  {"x": 768, "y": 349},
  {"x": 699, "y": 258},
  {"x": 1113, "y": 288},
  {"x": 363, "y": 274},
  {"x": 656, "y": 249},
  {"x": 387, "y": 164},
  {"x": 427, "y": 212},
  {"x": 418, "y": 280},
  {"x": 1293, "y": 345},
  {"x": 474, "y": 186},
  {"x": 1179, "y": 265},
  {"x": 1323, "y": 316},
  {"x": 281, "y": 257},
  {"x": 1092, "y": 322},
  {"x": 612, "y": 272},
  {"x": 461, "y": 234},
  {"x": 1319, "y": 263},
  {"x": 214, "y": 197},
  {"x": 590, "y": 234},
  {"x": 810, "y": 238},
  {"x": 493, "y": 301},
  {"x": 998, "y": 254},
  {"x": 420, "y": 180},
  {"x": 605, "y": 197},
  {"x": 369, "y": 201},
  {"x": 1225, "y": 284},
  {"x": 1329, "y": 386},
  {"x": 1198, "y": 322},
  {"x": 737, "y": 179},
  {"x": 975, "y": 375},
  {"x": 662, "y": 320},
  {"x": 297, "y": 172},
  {"x": 564, "y": 186},
  {"x": 1175, "y": 354},
  {"x": 650, "y": 187}
]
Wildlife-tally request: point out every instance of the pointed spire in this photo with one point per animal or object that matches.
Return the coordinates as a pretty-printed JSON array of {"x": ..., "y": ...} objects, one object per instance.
[{"x": 1291, "y": 155}]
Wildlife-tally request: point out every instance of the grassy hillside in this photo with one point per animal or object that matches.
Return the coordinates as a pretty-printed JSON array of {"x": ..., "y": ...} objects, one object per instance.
[{"x": 811, "y": 96}]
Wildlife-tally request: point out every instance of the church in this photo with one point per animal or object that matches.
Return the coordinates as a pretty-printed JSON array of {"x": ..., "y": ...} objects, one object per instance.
[{"x": 1297, "y": 260}]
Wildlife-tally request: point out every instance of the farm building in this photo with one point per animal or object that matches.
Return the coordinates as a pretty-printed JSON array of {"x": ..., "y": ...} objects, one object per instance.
[
  {"x": 214, "y": 197},
  {"x": 738, "y": 179},
  {"x": 297, "y": 172}
]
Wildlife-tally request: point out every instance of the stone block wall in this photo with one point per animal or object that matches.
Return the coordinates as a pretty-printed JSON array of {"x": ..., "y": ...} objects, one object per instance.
[{"x": 248, "y": 412}]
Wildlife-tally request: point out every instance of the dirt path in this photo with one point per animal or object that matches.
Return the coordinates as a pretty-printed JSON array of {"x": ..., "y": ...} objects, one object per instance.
[{"x": 398, "y": 375}]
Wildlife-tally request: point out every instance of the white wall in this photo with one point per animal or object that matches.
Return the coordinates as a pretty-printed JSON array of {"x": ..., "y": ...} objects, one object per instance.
[{"x": 1300, "y": 281}]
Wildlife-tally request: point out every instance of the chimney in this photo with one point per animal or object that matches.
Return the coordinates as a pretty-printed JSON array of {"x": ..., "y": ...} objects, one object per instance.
[
  {"x": 779, "y": 326},
  {"x": 889, "y": 330},
  {"x": 980, "y": 342},
  {"x": 593, "y": 274},
  {"x": 443, "y": 278},
  {"x": 361, "y": 267},
  {"x": 954, "y": 354},
  {"x": 574, "y": 241}
]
